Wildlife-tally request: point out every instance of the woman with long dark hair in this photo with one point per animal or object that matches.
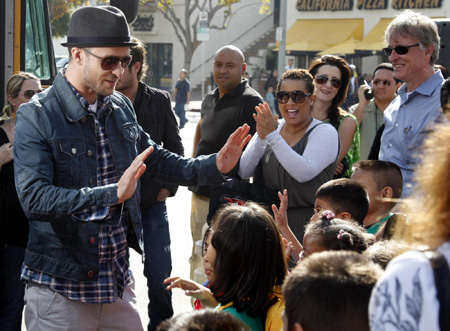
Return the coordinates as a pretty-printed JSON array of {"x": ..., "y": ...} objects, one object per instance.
[{"x": 332, "y": 77}]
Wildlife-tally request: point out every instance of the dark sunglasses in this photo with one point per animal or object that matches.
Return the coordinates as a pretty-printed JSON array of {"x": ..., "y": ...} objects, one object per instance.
[
  {"x": 110, "y": 62},
  {"x": 322, "y": 80},
  {"x": 29, "y": 93},
  {"x": 386, "y": 83},
  {"x": 297, "y": 96},
  {"x": 400, "y": 50}
]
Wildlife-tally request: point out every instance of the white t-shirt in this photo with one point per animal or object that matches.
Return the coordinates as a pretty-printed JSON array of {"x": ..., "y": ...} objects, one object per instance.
[{"x": 405, "y": 296}]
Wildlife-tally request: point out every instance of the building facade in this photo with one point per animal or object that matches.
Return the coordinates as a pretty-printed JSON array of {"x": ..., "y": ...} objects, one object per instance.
[{"x": 354, "y": 28}]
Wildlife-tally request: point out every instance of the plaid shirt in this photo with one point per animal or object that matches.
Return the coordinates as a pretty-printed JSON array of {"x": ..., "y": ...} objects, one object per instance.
[{"x": 113, "y": 261}]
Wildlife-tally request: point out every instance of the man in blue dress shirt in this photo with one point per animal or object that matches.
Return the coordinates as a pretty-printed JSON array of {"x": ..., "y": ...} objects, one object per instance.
[{"x": 413, "y": 49}]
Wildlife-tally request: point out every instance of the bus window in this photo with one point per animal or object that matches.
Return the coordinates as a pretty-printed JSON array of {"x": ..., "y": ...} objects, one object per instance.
[{"x": 38, "y": 48}]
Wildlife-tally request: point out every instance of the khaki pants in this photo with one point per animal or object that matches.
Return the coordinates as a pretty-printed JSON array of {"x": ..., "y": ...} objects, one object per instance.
[
  {"x": 199, "y": 212},
  {"x": 47, "y": 310}
]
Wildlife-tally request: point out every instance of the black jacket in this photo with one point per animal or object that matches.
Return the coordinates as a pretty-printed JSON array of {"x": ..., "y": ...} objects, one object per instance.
[{"x": 155, "y": 115}]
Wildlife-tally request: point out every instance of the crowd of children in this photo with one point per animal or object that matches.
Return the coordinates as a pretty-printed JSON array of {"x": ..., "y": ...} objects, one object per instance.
[
  {"x": 245, "y": 258},
  {"x": 333, "y": 278}
]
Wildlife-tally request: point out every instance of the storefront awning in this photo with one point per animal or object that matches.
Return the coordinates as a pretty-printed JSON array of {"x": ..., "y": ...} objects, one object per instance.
[
  {"x": 347, "y": 47},
  {"x": 374, "y": 41},
  {"x": 319, "y": 34}
]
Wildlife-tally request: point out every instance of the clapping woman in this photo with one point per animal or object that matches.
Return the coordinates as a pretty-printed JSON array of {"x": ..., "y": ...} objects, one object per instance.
[{"x": 298, "y": 154}]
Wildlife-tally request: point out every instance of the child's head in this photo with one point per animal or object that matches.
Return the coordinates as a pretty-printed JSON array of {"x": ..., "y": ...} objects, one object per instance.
[
  {"x": 270, "y": 89},
  {"x": 334, "y": 235},
  {"x": 246, "y": 256},
  {"x": 382, "y": 252},
  {"x": 345, "y": 197},
  {"x": 206, "y": 240},
  {"x": 382, "y": 180},
  {"x": 330, "y": 291},
  {"x": 203, "y": 320}
]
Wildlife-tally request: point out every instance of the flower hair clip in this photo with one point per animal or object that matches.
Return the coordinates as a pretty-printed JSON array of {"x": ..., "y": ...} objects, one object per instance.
[
  {"x": 328, "y": 214},
  {"x": 339, "y": 236}
]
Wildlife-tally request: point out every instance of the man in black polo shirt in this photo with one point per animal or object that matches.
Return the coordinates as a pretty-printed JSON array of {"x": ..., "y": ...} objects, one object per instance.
[{"x": 223, "y": 110}]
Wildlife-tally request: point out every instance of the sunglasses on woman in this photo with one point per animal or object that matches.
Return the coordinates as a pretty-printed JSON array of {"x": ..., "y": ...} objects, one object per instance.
[
  {"x": 110, "y": 62},
  {"x": 322, "y": 80},
  {"x": 29, "y": 93},
  {"x": 296, "y": 96},
  {"x": 400, "y": 50},
  {"x": 386, "y": 83}
]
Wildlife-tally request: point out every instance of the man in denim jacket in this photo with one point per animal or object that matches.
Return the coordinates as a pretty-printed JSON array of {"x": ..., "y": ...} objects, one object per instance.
[{"x": 73, "y": 149}]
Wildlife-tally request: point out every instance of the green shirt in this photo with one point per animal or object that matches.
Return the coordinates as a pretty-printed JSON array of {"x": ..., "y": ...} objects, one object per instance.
[
  {"x": 352, "y": 155},
  {"x": 255, "y": 323},
  {"x": 373, "y": 228}
]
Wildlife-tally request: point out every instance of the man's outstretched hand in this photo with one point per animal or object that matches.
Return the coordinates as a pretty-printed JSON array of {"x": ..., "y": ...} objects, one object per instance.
[
  {"x": 128, "y": 182},
  {"x": 230, "y": 153}
]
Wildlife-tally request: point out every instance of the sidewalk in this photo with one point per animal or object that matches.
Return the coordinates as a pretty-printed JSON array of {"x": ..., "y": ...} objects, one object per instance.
[{"x": 195, "y": 106}]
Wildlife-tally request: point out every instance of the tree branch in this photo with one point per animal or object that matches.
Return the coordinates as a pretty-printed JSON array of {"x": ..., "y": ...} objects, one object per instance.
[{"x": 166, "y": 11}]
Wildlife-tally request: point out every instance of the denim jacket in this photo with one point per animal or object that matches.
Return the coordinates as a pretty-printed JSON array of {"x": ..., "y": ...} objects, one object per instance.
[{"x": 55, "y": 171}]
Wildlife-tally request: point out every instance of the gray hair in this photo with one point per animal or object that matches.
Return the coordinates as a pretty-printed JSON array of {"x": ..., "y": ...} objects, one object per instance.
[{"x": 417, "y": 25}]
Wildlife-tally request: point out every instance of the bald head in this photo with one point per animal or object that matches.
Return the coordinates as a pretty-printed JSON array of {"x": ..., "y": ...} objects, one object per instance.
[{"x": 231, "y": 48}]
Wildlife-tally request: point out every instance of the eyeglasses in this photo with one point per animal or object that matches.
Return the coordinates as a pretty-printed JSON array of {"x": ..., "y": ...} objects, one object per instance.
[
  {"x": 386, "y": 83},
  {"x": 400, "y": 50},
  {"x": 110, "y": 62},
  {"x": 29, "y": 93},
  {"x": 322, "y": 80},
  {"x": 297, "y": 96}
]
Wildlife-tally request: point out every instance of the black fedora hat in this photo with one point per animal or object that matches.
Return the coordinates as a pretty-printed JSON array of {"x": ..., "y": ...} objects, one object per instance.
[{"x": 100, "y": 26}]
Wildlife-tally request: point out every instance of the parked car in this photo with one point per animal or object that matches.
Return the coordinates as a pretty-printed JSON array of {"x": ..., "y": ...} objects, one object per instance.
[{"x": 61, "y": 61}]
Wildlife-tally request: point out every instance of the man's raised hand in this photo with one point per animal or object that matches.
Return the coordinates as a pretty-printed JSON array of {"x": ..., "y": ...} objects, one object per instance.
[
  {"x": 128, "y": 182},
  {"x": 230, "y": 153}
]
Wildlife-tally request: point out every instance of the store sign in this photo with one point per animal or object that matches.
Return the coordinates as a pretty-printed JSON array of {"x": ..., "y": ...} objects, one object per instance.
[
  {"x": 324, "y": 5},
  {"x": 279, "y": 34},
  {"x": 203, "y": 27},
  {"x": 202, "y": 34},
  {"x": 372, "y": 4},
  {"x": 416, "y": 4},
  {"x": 143, "y": 23}
]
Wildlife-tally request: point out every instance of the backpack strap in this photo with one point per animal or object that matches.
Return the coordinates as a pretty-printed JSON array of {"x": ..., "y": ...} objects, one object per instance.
[{"x": 442, "y": 280}]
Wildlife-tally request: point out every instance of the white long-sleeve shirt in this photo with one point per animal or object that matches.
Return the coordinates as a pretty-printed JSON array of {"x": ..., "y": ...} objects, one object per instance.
[{"x": 321, "y": 150}]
